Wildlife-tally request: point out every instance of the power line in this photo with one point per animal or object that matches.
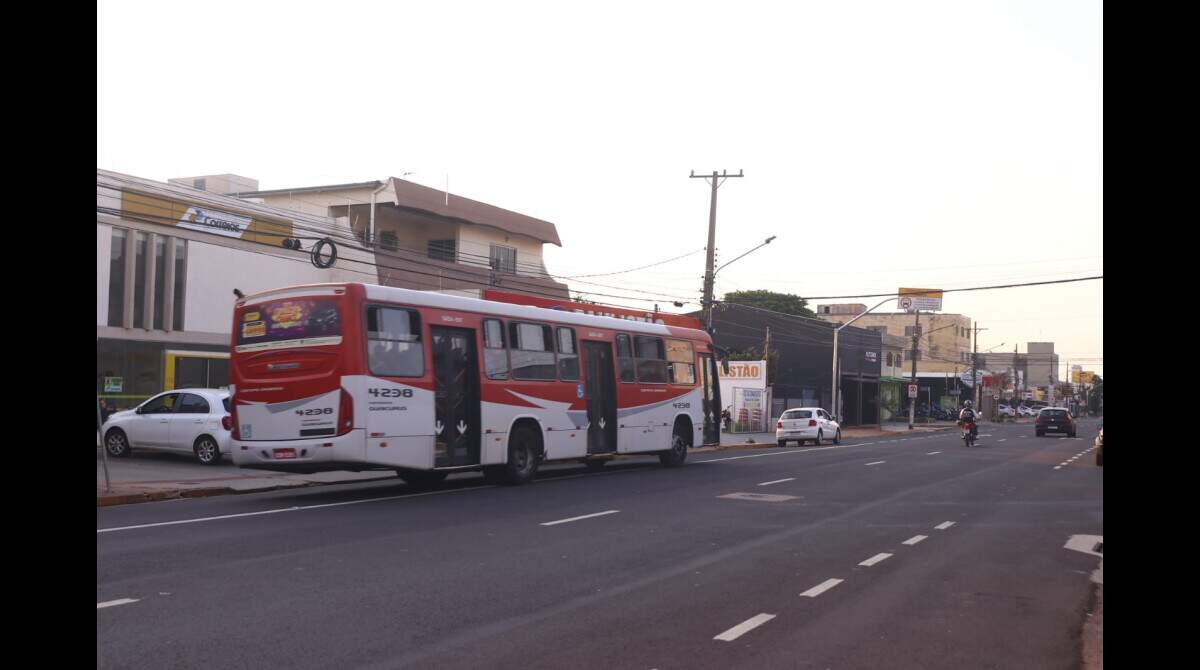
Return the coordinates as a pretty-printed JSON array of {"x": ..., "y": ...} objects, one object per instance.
[{"x": 604, "y": 274}]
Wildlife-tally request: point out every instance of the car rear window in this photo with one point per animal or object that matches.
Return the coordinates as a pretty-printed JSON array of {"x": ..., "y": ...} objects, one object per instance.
[
  {"x": 1056, "y": 414},
  {"x": 797, "y": 414},
  {"x": 280, "y": 324}
]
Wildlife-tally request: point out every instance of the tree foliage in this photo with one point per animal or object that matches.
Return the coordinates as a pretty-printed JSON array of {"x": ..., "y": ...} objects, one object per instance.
[{"x": 776, "y": 302}]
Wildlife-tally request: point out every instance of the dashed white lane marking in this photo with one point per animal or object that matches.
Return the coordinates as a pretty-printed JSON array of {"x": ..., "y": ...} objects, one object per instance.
[
  {"x": 821, "y": 588},
  {"x": 875, "y": 559},
  {"x": 1058, "y": 467},
  {"x": 119, "y": 601},
  {"x": 778, "y": 481},
  {"x": 944, "y": 525},
  {"x": 807, "y": 450},
  {"x": 914, "y": 539},
  {"x": 1003, "y": 439},
  {"x": 933, "y": 453},
  {"x": 578, "y": 518},
  {"x": 876, "y": 462},
  {"x": 744, "y": 627}
]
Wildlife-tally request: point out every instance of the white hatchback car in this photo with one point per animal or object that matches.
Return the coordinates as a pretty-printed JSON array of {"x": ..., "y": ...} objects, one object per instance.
[
  {"x": 194, "y": 421},
  {"x": 801, "y": 424},
  {"x": 1006, "y": 410}
]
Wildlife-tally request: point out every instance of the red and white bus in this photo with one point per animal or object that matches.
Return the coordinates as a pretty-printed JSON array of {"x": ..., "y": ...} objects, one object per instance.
[{"x": 363, "y": 377}]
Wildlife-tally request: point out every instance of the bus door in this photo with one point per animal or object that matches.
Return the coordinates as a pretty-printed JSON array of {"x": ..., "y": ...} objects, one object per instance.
[
  {"x": 600, "y": 385},
  {"x": 711, "y": 399},
  {"x": 456, "y": 397}
]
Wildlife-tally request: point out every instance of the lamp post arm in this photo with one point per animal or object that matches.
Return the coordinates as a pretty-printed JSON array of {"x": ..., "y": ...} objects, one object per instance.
[{"x": 745, "y": 254}]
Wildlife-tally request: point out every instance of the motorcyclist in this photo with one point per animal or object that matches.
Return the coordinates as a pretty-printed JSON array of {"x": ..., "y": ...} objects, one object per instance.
[{"x": 968, "y": 413}]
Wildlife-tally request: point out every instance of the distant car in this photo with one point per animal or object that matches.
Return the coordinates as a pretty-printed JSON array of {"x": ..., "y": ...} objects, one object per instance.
[
  {"x": 193, "y": 421},
  {"x": 1026, "y": 410},
  {"x": 1100, "y": 447},
  {"x": 1006, "y": 410},
  {"x": 802, "y": 424},
  {"x": 1054, "y": 420}
]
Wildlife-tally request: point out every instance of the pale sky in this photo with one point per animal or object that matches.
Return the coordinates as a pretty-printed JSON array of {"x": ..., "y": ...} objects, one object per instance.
[{"x": 926, "y": 144}]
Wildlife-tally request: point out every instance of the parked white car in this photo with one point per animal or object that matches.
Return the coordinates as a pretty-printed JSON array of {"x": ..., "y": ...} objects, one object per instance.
[
  {"x": 193, "y": 421},
  {"x": 1025, "y": 410},
  {"x": 801, "y": 424},
  {"x": 1006, "y": 410}
]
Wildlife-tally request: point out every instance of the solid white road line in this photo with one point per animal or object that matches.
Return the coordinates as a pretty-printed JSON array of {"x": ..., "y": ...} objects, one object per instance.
[
  {"x": 577, "y": 518},
  {"x": 121, "y": 601},
  {"x": 914, "y": 539},
  {"x": 875, "y": 559},
  {"x": 876, "y": 462},
  {"x": 287, "y": 509},
  {"x": 945, "y": 525},
  {"x": 821, "y": 588},
  {"x": 744, "y": 627},
  {"x": 778, "y": 481}
]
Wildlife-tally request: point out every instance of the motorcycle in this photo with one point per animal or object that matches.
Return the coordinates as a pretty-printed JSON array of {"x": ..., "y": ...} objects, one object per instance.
[{"x": 968, "y": 433}]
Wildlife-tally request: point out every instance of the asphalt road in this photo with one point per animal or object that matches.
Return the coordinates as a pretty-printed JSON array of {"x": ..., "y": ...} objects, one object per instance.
[{"x": 896, "y": 552}]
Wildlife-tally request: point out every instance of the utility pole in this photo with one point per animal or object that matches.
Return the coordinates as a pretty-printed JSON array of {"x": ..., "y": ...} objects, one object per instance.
[
  {"x": 712, "y": 241},
  {"x": 975, "y": 381},
  {"x": 912, "y": 402}
]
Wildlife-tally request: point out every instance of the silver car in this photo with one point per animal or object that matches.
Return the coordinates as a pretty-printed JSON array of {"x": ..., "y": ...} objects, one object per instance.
[{"x": 192, "y": 421}]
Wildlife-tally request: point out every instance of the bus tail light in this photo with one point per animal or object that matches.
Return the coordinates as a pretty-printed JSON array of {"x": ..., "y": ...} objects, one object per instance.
[{"x": 345, "y": 413}]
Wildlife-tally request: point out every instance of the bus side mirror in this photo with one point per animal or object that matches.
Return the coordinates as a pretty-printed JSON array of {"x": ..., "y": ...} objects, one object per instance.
[{"x": 725, "y": 367}]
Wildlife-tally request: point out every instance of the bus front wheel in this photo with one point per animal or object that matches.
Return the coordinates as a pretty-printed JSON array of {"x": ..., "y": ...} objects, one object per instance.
[{"x": 523, "y": 455}]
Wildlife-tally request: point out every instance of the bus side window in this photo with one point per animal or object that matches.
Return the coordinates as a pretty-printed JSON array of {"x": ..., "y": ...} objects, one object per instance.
[
  {"x": 495, "y": 353},
  {"x": 681, "y": 362},
  {"x": 625, "y": 358},
  {"x": 532, "y": 351},
  {"x": 394, "y": 342},
  {"x": 651, "y": 360},
  {"x": 568, "y": 357}
]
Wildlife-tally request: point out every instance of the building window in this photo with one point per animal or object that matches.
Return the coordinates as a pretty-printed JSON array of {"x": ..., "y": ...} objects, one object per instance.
[
  {"x": 882, "y": 330},
  {"x": 504, "y": 259},
  {"x": 908, "y": 331},
  {"x": 442, "y": 250},
  {"x": 198, "y": 184},
  {"x": 889, "y": 359},
  {"x": 180, "y": 282},
  {"x": 160, "y": 280},
  {"x": 116, "y": 278},
  {"x": 139, "y": 280},
  {"x": 387, "y": 240}
]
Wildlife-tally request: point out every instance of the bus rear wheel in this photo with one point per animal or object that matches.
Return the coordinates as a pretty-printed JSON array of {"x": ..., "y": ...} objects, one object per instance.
[
  {"x": 677, "y": 454},
  {"x": 421, "y": 478}
]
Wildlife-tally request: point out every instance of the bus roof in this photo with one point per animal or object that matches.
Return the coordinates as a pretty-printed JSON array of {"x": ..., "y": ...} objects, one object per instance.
[{"x": 490, "y": 307}]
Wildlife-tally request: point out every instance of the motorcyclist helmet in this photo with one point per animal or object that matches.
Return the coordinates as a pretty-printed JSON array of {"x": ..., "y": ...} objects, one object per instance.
[{"x": 967, "y": 404}]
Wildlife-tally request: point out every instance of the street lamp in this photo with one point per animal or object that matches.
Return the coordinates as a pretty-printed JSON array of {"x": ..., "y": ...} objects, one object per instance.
[
  {"x": 834, "y": 399},
  {"x": 708, "y": 301}
]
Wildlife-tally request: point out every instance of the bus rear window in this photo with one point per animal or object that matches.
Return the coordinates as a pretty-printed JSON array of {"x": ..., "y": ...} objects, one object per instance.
[{"x": 283, "y": 324}]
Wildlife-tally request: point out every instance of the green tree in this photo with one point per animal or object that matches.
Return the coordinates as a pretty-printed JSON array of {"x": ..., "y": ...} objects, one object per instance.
[
  {"x": 776, "y": 302},
  {"x": 1096, "y": 394}
]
